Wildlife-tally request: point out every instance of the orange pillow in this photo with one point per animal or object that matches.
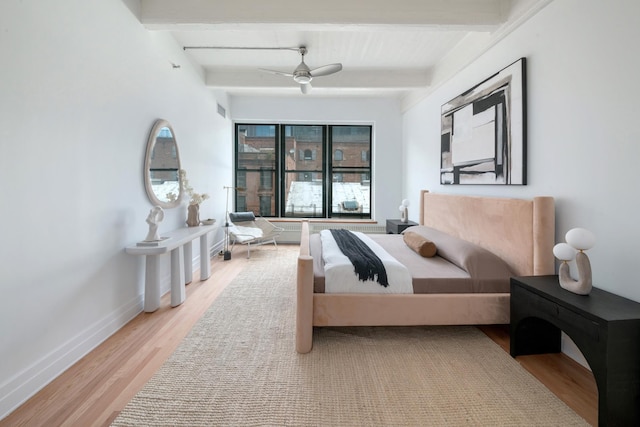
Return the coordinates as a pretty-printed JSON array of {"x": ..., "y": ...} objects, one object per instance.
[{"x": 421, "y": 245}]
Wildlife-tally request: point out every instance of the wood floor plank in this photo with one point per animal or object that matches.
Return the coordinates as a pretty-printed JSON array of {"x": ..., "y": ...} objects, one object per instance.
[
  {"x": 94, "y": 390},
  {"x": 574, "y": 384}
]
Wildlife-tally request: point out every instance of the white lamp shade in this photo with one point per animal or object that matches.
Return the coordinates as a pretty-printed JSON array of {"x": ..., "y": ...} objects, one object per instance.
[
  {"x": 564, "y": 252},
  {"x": 405, "y": 202},
  {"x": 580, "y": 238},
  {"x": 401, "y": 208}
]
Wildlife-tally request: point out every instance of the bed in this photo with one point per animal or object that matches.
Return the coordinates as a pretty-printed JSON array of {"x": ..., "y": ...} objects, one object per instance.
[{"x": 519, "y": 231}]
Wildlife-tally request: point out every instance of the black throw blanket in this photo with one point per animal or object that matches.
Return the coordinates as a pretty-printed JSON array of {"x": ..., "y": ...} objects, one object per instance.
[{"x": 365, "y": 262}]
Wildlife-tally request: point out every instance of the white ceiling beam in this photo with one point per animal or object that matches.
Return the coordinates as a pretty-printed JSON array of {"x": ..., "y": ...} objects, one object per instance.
[
  {"x": 370, "y": 79},
  {"x": 177, "y": 15}
]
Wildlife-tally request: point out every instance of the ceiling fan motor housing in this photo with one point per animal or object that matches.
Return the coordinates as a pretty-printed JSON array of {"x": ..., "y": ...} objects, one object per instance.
[
  {"x": 302, "y": 73},
  {"x": 302, "y": 77}
]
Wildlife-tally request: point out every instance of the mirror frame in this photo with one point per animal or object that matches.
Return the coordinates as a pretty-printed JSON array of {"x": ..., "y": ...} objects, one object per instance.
[{"x": 151, "y": 142}]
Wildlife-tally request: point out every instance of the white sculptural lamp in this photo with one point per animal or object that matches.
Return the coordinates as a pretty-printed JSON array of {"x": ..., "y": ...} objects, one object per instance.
[
  {"x": 578, "y": 241},
  {"x": 404, "y": 211}
]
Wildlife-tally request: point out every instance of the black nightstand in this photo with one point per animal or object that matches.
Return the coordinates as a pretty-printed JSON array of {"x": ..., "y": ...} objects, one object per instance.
[
  {"x": 396, "y": 226},
  {"x": 604, "y": 326}
]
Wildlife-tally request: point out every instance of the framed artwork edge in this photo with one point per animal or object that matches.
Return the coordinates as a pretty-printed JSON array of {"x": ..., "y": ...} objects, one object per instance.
[{"x": 484, "y": 131}]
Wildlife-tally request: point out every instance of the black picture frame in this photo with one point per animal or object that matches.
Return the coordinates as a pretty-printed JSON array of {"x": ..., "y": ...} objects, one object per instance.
[{"x": 484, "y": 131}]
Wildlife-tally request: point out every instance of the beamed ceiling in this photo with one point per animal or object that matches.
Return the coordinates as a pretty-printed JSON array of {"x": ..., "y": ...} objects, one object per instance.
[{"x": 401, "y": 48}]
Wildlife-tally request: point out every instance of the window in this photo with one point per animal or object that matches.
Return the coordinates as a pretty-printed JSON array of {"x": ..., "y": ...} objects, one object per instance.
[
  {"x": 304, "y": 188},
  {"x": 241, "y": 205},
  {"x": 365, "y": 179},
  {"x": 265, "y": 205},
  {"x": 266, "y": 181},
  {"x": 255, "y": 168},
  {"x": 310, "y": 171},
  {"x": 349, "y": 190},
  {"x": 241, "y": 179}
]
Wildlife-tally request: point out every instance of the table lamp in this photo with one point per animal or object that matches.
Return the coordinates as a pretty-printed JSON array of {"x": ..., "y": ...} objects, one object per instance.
[
  {"x": 578, "y": 241},
  {"x": 405, "y": 212}
]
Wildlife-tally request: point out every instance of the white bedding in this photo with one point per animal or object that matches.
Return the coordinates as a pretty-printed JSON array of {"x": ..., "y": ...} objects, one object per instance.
[{"x": 341, "y": 278}]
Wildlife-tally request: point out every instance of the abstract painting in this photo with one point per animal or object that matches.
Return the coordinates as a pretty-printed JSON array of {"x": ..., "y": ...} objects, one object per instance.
[{"x": 483, "y": 137}]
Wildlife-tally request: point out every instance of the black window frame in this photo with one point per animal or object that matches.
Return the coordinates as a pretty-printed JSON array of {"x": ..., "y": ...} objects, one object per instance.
[{"x": 327, "y": 171}]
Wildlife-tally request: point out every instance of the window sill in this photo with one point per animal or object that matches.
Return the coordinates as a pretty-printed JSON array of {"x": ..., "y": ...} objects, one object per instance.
[{"x": 325, "y": 220}]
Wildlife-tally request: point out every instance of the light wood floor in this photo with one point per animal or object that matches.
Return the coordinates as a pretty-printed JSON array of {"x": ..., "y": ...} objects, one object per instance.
[{"x": 94, "y": 390}]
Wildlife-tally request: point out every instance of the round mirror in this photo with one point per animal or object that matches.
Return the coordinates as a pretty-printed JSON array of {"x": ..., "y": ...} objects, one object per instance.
[{"x": 162, "y": 166}]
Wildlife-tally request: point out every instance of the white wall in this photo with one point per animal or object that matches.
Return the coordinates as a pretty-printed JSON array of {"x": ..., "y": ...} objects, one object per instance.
[
  {"x": 583, "y": 139},
  {"x": 81, "y": 84},
  {"x": 383, "y": 113}
]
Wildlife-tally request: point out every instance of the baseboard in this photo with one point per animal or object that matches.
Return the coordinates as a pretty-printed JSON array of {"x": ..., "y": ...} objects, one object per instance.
[
  {"x": 18, "y": 389},
  {"x": 25, "y": 384},
  {"x": 215, "y": 248}
]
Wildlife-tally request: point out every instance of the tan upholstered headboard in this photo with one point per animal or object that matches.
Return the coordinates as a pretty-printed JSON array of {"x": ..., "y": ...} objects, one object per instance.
[{"x": 520, "y": 231}]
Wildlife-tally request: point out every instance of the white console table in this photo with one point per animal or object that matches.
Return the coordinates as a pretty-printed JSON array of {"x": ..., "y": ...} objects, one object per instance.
[{"x": 179, "y": 243}]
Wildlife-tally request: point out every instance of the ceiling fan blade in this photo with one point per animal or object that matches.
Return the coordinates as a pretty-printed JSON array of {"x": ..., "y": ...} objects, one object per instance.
[
  {"x": 280, "y": 73},
  {"x": 305, "y": 88},
  {"x": 325, "y": 70}
]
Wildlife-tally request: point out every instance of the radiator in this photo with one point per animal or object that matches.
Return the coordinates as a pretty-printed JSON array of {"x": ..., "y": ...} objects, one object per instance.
[
  {"x": 363, "y": 228},
  {"x": 291, "y": 233}
]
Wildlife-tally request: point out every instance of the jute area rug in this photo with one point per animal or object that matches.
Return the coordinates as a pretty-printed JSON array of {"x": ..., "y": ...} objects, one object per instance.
[{"x": 238, "y": 367}]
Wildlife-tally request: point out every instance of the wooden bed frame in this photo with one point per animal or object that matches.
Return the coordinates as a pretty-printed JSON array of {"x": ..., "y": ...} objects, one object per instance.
[{"x": 520, "y": 231}]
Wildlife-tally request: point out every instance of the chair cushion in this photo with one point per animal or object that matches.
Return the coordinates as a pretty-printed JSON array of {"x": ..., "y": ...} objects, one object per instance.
[{"x": 245, "y": 234}]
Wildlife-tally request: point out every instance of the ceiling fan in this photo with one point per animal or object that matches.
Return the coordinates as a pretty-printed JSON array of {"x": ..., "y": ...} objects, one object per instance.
[{"x": 303, "y": 74}]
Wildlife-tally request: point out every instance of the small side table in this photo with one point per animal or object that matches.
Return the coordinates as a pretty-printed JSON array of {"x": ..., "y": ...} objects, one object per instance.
[
  {"x": 396, "y": 226},
  {"x": 604, "y": 326}
]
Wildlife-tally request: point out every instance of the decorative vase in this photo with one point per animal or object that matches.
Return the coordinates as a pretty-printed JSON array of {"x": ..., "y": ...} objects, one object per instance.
[{"x": 193, "y": 215}]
